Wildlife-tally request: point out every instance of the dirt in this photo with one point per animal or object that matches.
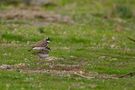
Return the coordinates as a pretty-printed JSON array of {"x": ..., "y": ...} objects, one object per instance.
[
  {"x": 39, "y": 16},
  {"x": 64, "y": 70},
  {"x": 54, "y": 68}
]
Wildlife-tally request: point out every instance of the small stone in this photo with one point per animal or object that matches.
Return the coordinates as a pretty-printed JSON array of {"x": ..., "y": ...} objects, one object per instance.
[{"x": 4, "y": 66}]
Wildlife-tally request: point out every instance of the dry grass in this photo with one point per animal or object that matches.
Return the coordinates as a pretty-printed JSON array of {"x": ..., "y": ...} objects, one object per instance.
[{"x": 34, "y": 14}]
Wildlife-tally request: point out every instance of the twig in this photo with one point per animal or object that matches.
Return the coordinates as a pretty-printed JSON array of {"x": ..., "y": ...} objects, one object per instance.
[
  {"x": 131, "y": 39},
  {"x": 127, "y": 75}
]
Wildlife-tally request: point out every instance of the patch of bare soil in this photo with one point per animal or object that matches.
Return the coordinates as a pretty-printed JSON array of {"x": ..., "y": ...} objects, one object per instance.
[
  {"x": 63, "y": 70},
  {"x": 80, "y": 73},
  {"x": 34, "y": 14}
]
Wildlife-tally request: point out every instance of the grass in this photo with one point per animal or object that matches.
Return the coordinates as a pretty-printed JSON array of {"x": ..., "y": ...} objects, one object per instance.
[{"x": 100, "y": 42}]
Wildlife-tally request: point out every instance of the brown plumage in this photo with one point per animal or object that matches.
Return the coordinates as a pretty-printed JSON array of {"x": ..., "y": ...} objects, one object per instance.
[{"x": 43, "y": 43}]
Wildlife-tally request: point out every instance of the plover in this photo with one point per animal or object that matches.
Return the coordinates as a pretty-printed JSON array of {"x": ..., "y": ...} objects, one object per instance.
[
  {"x": 41, "y": 48},
  {"x": 41, "y": 45}
]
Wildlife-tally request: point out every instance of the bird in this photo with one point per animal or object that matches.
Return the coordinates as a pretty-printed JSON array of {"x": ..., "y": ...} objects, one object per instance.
[
  {"x": 41, "y": 48},
  {"x": 41, "y": 45}
]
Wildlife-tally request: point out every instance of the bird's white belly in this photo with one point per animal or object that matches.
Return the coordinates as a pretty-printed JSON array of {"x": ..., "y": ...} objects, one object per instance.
[{"x": 39, "y": 48}]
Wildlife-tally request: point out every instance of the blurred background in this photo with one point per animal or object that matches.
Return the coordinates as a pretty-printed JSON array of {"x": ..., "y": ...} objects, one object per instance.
[{"x": 89, "y": 37}]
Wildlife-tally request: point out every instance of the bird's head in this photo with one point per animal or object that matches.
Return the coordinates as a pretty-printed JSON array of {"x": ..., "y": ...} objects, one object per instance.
[{"x": 47, "y": 40}]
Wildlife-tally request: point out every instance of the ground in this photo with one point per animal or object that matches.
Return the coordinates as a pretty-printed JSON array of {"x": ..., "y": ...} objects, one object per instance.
[{"x": 89, "y": 45}]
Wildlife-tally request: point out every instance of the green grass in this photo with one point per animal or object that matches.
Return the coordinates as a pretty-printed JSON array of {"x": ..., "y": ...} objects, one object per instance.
[{"x": 92, "y": 39}]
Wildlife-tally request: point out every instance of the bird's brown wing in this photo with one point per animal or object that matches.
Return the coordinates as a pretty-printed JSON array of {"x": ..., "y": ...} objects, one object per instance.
[{"x": 40, "y": 44}]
